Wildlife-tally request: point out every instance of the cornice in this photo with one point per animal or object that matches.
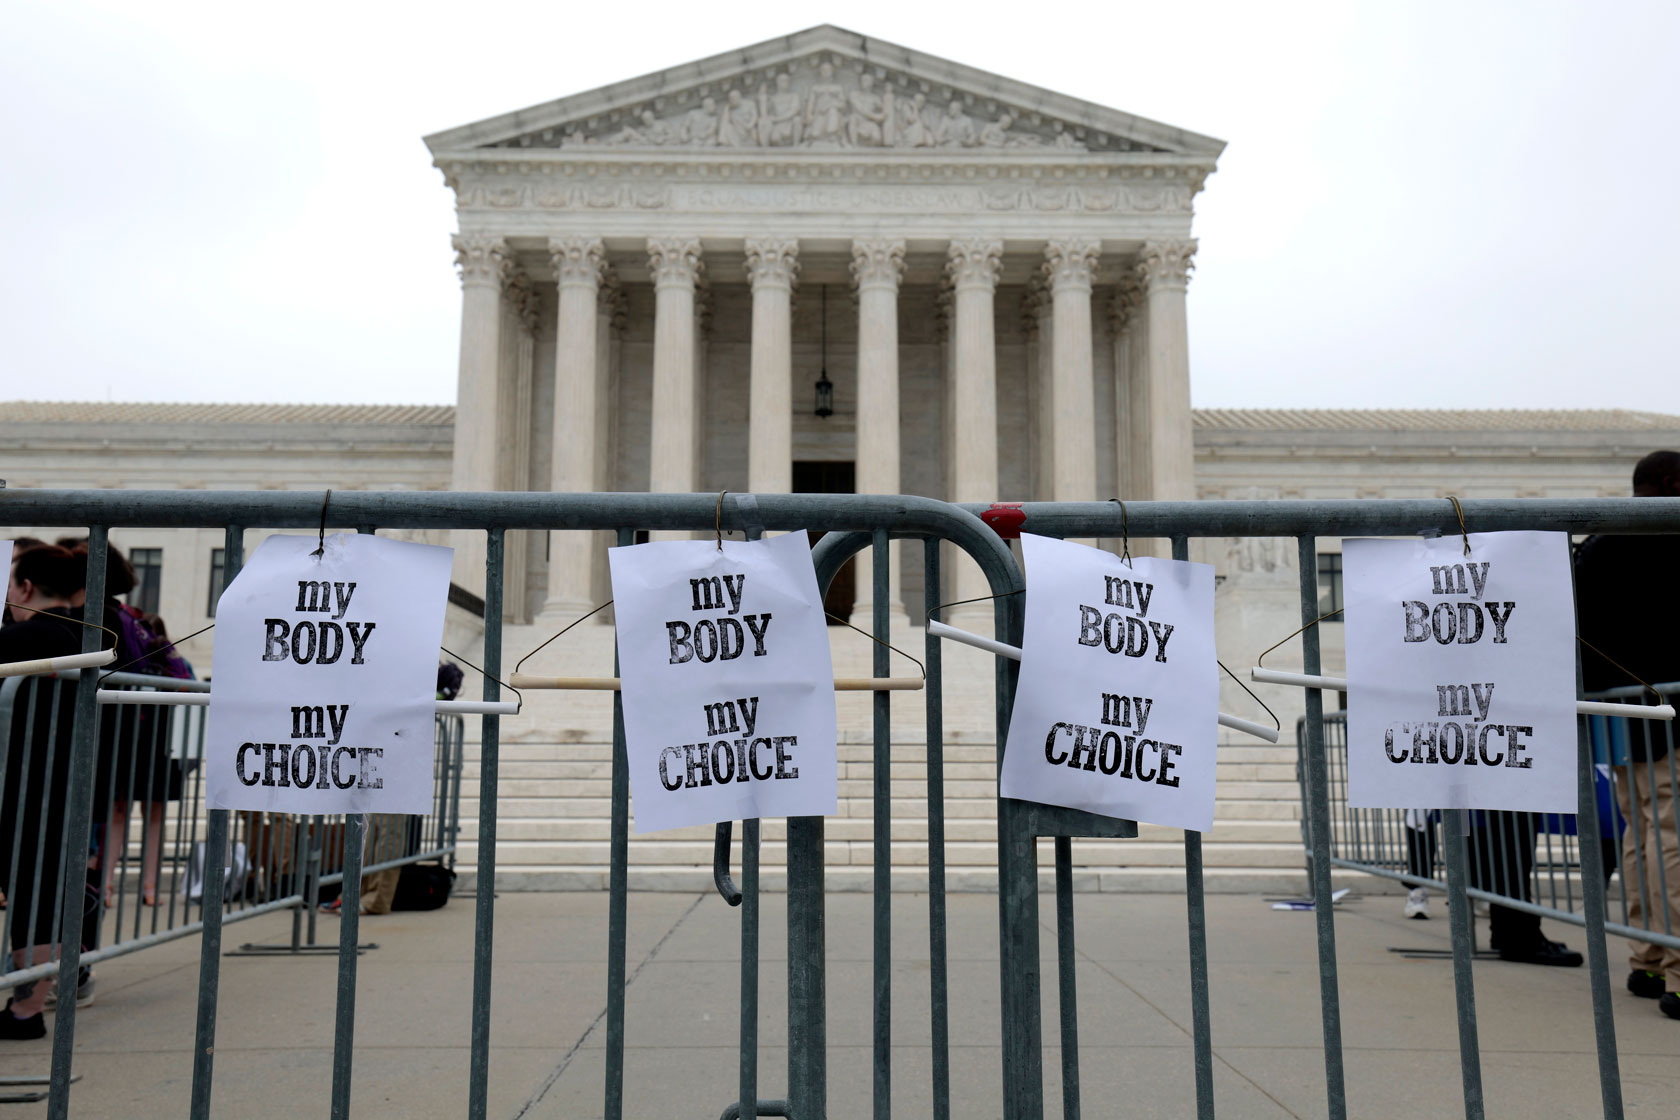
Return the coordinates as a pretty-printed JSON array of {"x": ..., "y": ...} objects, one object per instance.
[{"x": 753, "y": 63}]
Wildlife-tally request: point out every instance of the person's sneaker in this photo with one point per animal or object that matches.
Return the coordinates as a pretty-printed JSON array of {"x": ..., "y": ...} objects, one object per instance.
[
  {"x": 1645, "y": 985},
  {"x": 1542, "y": 952},
  {"x": 12, "y": 1027},
  {"x": 1417, "y": 903},
  {"x": 1669, "y": 1004},
  {"x": 84, "y": 989}
]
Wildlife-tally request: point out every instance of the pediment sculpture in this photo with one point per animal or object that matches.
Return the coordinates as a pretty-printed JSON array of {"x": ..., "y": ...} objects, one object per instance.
[{"x": 826, "y": 107}]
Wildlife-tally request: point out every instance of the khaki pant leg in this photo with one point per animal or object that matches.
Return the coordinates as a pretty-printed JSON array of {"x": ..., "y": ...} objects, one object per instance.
[{"x": 385, "y": 842}]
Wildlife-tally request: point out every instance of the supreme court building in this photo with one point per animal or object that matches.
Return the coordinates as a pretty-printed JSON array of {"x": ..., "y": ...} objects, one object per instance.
[
  {"x": 988, "y": 280},
  {"x": 656, "y": 276}
]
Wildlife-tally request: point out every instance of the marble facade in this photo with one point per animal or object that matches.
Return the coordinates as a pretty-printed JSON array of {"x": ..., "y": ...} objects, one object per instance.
[{"x": 642, "y": 264}]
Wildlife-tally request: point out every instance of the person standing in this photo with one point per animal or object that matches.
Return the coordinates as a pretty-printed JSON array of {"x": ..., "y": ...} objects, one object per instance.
[
  {"x": 1628, "y": 607},
  {"x": 37, "y": 772}
]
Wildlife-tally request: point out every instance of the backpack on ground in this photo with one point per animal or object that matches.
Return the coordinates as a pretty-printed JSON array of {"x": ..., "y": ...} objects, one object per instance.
[{"x": 422, "y": 886}]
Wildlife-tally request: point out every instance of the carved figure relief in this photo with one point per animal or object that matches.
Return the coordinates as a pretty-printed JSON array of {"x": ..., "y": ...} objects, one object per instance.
[{"x": 828, "y": 106}]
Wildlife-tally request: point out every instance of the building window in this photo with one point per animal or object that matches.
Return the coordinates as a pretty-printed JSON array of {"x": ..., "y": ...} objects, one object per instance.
[
  {"x": 218, "y": 577},
  {"x": 1330, "y": 584},
  {"x": 148, "y": 578}
]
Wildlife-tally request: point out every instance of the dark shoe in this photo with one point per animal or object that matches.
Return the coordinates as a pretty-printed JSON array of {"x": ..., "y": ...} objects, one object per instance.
[
  {"x": 1669, "y": 1005},
  {"x": 12, "y": 1027},
  {"x": 1542, "y": 952},
  {"x": 1645, "y": 985}
]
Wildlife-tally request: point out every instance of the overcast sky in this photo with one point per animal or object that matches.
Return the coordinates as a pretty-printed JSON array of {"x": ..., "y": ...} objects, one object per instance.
[{"x": 1421, "y": 205}]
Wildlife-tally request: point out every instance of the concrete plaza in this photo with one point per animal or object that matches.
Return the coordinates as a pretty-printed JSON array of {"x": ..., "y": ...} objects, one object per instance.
[{"x": 274, "y": 1045}]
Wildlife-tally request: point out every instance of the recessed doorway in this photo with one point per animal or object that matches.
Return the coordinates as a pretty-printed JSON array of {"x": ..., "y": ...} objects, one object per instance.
[{"x": 831, "y": 477}]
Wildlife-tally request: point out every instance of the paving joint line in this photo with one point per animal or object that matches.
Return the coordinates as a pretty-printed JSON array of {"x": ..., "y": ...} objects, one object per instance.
[{"x": 553, "y": 1078}]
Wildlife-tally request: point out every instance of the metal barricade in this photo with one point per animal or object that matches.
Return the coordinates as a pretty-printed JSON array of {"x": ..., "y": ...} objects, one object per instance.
[
  {"x": 855, "y": 523},
  {"x": 1533, "y": 862}
]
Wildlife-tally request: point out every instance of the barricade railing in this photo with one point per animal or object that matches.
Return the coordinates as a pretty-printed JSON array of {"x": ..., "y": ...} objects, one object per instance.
[
  {"x": 1533, "y": 861},
  {"x": 144, "y": 855},
  {"x": 855, "y": 523},
  {"x": 1306, "y": 522}
]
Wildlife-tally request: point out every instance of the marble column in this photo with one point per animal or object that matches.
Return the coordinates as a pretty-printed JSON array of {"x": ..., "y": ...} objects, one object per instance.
[
  {"x": 1069, "y": 265},
  {"x": 483, "y": 263},
  {"x": 973, "y": 264},
  {"x": 1041, "y": 335},
  {"x": 673, "y": 454},
  {"x": 877, "y": 268},
  {"x": 521, "y": 315},
  {"x": 610, "y": 318},
  {"x": 772, "y": 264},
  {"x": 1119, "y": 337},
  {"x": 1137, "y": 389},
  {"x": 1164, "y": 267},
  {"x": 579, "y": 265}
]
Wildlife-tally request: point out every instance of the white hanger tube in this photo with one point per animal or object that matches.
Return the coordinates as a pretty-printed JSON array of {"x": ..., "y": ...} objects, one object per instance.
[
  {"x": 1582, "y": 707},
  {"x": 58, "y": 664},
  {"x": 202, "y": 699},
  {"x": 1002, "y": 649}
]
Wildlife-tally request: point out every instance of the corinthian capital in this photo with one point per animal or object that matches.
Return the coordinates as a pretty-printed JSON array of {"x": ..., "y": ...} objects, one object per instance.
[
  {"x": 878, "y": 262},
  {"x": 1122, "y": 308},
  {"x": 579, "y": 262},
  {"x": 1165, "y": 264},
  {"x": 522, "y": 297},
  {"x": 974, "y": 262},
  {"x": 482, "y": 259},
  {"x": 674, "y": 261},
  {"x": 772, "y": 261},
  {"x": 1071, "y": 264}
]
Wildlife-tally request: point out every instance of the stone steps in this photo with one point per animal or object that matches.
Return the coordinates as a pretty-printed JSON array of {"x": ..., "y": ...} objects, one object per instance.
[{"x": 556, "y": 781}]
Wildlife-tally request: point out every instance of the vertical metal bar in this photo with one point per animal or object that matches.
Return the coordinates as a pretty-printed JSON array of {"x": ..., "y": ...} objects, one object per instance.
[
  {"x": 618, "y": 891},
  {"x": 807, "y": 1006},
  {"x": 1067, "y": 984},
  {"x": 1023, "y": 1059},
  {"x": 84, "y": 743},
  {"x": 1589, "y": 840},
  {"x": 807, "y": 971},
  {"x": 1598, "y": 954},
  {"x": 349, "y": 931},
  {"x": 1196, "y": 907},
  {"x": 937, "y": 963},
  {"x": 1459, "y": 922},
  {"x": 210, "y": 909},
  {"x": 1318, "y": 812},
  {"x": 356, "y": 827},
  {"x": 749, "y": 967},
  {"x": 478, "y": 1083},
  {"x": 883, "y": 839}
]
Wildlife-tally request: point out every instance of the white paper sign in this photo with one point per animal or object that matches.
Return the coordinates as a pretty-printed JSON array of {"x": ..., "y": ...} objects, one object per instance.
[
  {"x": 1461, "y": 673},
  {"x": 1117, "y": 705},
  {"x": 727, "y": 682},
  {"x": 326, "y": 677}
]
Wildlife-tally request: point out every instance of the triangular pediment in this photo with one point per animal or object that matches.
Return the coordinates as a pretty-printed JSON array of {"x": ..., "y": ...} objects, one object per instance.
[{"x": 824, "y": 89}]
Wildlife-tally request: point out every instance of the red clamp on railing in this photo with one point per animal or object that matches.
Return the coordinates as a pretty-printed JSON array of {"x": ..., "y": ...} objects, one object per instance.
[{"x": 1006, "y": 519}]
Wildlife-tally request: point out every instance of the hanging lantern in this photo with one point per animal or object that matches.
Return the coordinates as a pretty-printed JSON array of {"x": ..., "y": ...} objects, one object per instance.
[{"x": 825, "y": 387}]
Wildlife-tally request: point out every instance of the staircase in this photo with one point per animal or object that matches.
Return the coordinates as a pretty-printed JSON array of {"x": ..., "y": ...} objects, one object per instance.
[{"x": 556, "y": 780}]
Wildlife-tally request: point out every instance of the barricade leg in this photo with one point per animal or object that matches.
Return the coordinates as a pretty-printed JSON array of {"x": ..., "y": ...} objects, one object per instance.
[
  {"x": 1195, "y": 903},
  {"x": 1463, "y": 952},
  {"x": 478, "y": 1087},
  {"x": 939, "y": 973},
  {"x": 1318, "y": 814}
]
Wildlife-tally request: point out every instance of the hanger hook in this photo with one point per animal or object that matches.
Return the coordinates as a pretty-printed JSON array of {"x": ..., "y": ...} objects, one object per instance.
[
  {"x": 718, "y": 520},
  {"x": 321, "y": 537},
  {"x": 1462, "y": 531},
  {"x": 1125, "y": 534}
]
